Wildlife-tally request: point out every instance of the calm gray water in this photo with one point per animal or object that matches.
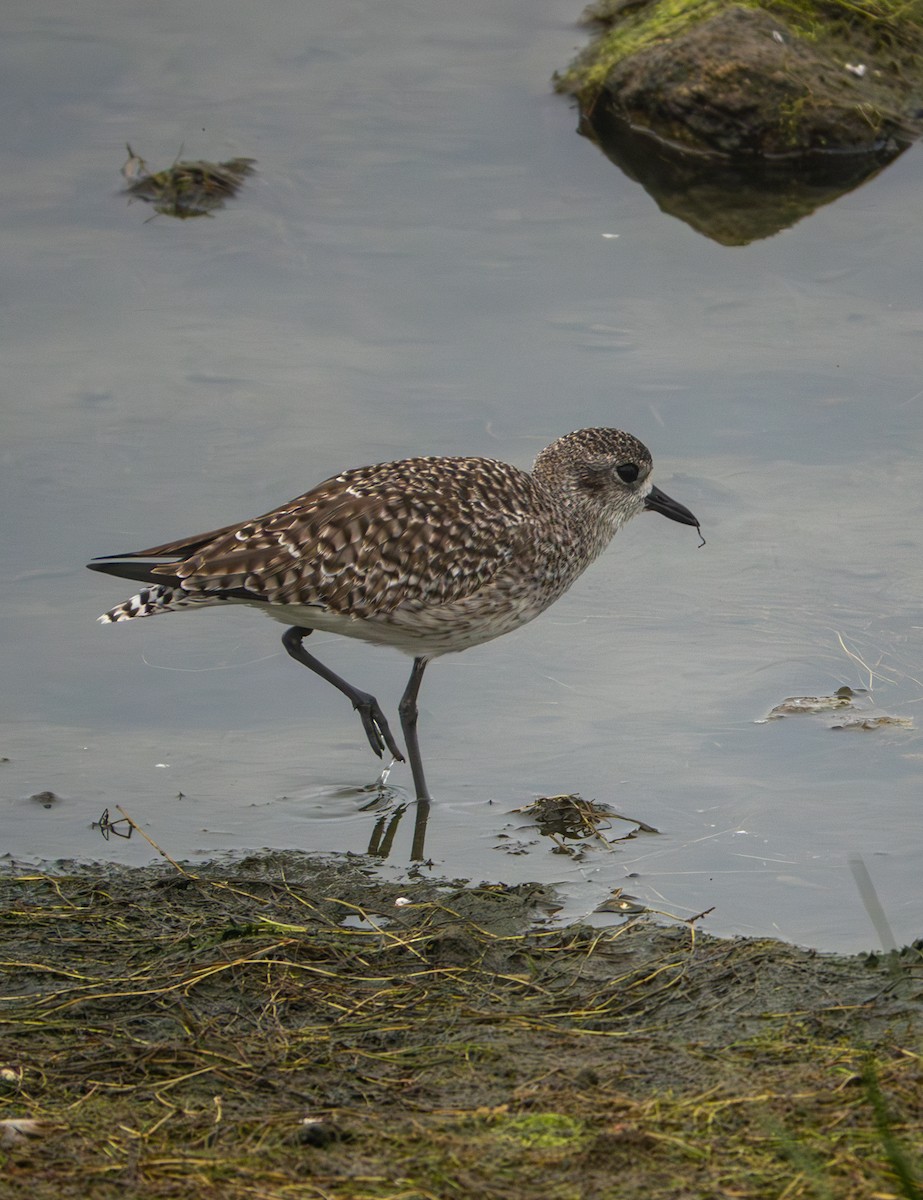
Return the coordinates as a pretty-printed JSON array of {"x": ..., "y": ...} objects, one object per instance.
[{"x": 430, "y": 260}]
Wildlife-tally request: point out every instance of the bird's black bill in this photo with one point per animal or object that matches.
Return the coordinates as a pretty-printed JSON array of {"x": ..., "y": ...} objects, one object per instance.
[{"x": 658, "y": 501}]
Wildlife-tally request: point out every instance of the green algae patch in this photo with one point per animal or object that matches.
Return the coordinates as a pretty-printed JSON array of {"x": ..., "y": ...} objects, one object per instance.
[
  {"x": 547, "y": 1132},
  {"x": 289, "y": 1028},
  {"x": 622, "y": 29}
]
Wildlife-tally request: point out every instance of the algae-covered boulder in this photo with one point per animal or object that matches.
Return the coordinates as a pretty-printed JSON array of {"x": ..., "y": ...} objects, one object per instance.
[
  {"x": 741, "y": 119},
  {"x": 744, "y": 81}
]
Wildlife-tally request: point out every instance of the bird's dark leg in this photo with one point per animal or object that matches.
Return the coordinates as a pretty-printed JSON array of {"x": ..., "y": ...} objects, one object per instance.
[
  {"x": 408, "y": 710},
  {"x": 373, "y": 719}
]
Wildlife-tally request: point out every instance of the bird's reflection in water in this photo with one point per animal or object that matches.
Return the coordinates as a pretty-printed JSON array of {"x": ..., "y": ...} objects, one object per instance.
[{"x": 391, "y": 807}]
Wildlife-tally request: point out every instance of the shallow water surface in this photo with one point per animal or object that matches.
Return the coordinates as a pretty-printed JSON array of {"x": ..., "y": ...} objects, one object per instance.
[{"x": 430, "y": 260}]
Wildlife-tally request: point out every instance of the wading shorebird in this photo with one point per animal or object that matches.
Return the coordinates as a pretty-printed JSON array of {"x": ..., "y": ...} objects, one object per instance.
[{"x": 428, "y": 555}]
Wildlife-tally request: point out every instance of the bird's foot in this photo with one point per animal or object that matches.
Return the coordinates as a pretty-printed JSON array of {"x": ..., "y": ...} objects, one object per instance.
[{"x": 376, "y": 727}]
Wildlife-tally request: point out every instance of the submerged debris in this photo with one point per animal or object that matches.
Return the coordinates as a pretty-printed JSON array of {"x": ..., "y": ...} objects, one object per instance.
[
  {"x": 121, "y": 828},
  {"x": 571, "y": 817},
  {"x": 881, "y": 722},
  {"x": 45, "y": 799},
  {"x": 795, "y": 705},
  {"x": 621, "y": 902},
  {"x": 186, "y": 189},
  {"x": 843, "y": 698}
]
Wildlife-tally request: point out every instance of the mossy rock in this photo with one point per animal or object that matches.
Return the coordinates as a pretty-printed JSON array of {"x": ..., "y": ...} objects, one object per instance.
[{"x": 746, "y": 82}]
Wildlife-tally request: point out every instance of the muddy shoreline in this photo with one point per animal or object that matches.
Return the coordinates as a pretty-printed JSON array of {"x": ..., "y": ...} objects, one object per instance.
[{"x": 295, "y": 1027}]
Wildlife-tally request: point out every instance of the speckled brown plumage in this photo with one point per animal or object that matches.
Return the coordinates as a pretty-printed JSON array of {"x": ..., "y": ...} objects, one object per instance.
[{"x": 430, "y": 555}]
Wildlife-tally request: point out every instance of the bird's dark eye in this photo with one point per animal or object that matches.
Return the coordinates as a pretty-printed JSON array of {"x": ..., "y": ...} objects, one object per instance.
[{"x": 627, "y": 472}]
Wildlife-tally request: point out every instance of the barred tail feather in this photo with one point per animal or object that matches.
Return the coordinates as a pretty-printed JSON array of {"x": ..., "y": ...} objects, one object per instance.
[{"x": 153, "y": 600}]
